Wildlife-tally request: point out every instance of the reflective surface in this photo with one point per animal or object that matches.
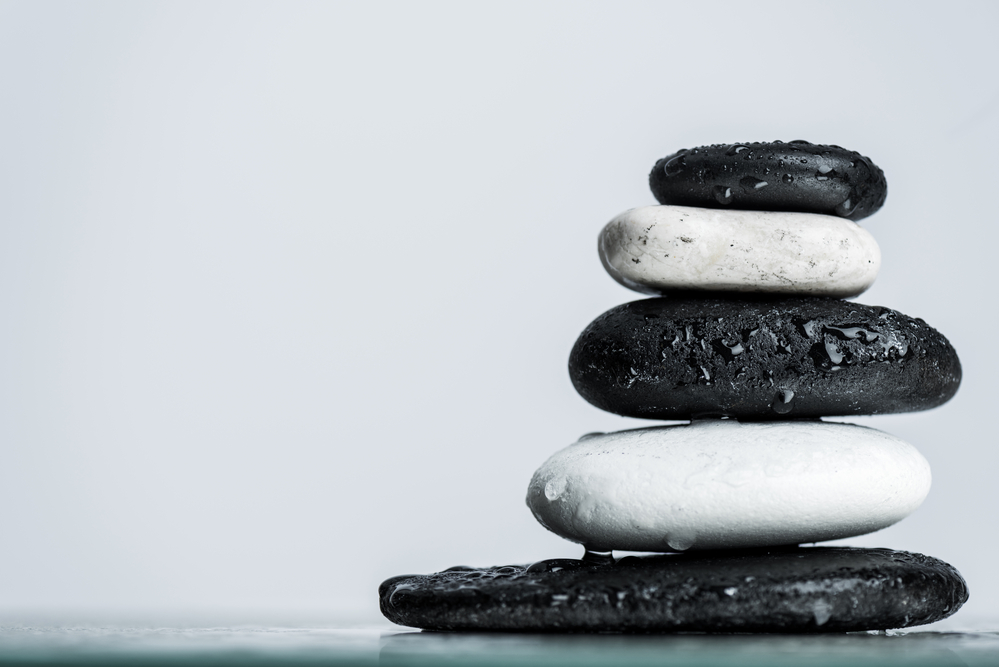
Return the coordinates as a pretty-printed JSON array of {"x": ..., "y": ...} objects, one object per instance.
[{"x": 384, "y": 645}]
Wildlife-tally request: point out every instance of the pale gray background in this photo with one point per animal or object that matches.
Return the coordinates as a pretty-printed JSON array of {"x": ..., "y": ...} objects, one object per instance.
[{"x": 287, "y": 290}]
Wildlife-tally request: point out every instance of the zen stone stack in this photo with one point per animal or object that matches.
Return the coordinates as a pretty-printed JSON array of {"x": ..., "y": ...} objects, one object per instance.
[{"x": 750, "y": 255}]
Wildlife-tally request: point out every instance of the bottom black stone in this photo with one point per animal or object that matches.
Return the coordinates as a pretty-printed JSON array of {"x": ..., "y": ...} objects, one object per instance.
[{"x": 812, "y": 589}]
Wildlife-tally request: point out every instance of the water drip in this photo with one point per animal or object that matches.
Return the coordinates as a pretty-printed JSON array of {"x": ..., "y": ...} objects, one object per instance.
[
  {"x": 783, "y": 402},
  {"x": 723, "y": 195},
  {"x": 598, "y": 557}
]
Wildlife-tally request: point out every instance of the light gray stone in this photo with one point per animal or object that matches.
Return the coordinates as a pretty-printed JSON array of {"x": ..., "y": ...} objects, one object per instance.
[{"x": 656, "y": 249}]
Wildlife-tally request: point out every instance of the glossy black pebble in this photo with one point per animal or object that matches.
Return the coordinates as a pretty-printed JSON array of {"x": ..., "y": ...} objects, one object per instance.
[
  {"x": 816, "y": 589},
  {"x": 796, "y": 176},
  {"x": 688, "y": 356}
]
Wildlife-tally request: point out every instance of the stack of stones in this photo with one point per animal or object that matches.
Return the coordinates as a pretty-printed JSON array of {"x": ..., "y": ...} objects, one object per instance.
[{"x": 752, "y": 252}]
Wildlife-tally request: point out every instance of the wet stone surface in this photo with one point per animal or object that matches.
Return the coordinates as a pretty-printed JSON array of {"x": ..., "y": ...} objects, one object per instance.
[
  {"x": 759, "y": 357},
  {"x": 817, "y": 589},
  {"x": 771, "y": 176}
]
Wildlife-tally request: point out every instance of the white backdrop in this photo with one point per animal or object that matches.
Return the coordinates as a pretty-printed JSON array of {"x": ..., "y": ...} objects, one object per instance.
[{"x": 288, "y": 290}]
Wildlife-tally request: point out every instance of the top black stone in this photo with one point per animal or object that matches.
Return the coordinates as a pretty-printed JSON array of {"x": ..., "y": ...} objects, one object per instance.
[{"x": 771, "y": 176}]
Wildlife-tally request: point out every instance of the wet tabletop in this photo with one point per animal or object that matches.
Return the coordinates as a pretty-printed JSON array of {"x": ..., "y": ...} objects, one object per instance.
[{"x": 119, "y": 644}]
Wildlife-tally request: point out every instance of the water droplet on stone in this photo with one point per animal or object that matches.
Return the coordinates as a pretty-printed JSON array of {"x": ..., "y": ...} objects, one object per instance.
[
  {"x": 750, "y": 183},
  {"x": 555, "y": 488},
  {"x": 400, "y": 588},
  {"x": 783, "y": 402},
  {"x": 681, "y": 539},
  {"x": 596, "y": 557},
  {"x": 787, "y": 178},
  {"x": 824, "y": 173},
  {"x": 675, "y": 165},
  {"x": 555, "y": 565},
  {"x": 735, "y": 149},
  {"x": 855, "y": 332},
  {"x": 723, "y": 194},
  {"x": 845, "y": 208},
  {"x": 835, "y": 355}
]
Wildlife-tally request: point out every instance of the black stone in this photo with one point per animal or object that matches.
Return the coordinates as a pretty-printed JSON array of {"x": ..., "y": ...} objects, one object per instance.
[
  {"x": 760, "y": 357},
  {"x": 771, "y": 176},
  {"x": 815, "y": 589}
]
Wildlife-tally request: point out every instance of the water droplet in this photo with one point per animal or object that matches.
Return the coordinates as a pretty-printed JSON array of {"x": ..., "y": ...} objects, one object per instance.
[
  {"x": 400, "y": 588},
  {"x": 787, "y": 178},
  {"x": 707, "y": 375},
  {"x": 596, "y": 557},
  {"x": 845, "y": 208},
  {"x": 723, "y": 194},
  {"x": 591, "y": 434},
  {"x": 731, "y": 590},
  {"x": 783, "y": 402},
  {"x": 892, "y": 341},
  {"x": 824, "y": 173},
  {"x": 849, "y": 332},
  {"x": 460, "y": 568},
  {"x": 555, "y": 565},
  {"x": 728, "y": 350},
  {"x": 735, "y": 149},
  {"x": 681, "y": 539},
  {"x": 822, "y": 611},
  {"x": 835, "y": 355},
  {"x": 675, "y": 165},
  {"x": 750, "y": 183},
  {"x": 555, "y": 488}
]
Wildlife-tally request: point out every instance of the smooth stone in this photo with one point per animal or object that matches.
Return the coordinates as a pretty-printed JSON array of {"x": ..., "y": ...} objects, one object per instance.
[
  {"x": 817, "y": 589},
  {"x": 764, "y": 357},
  {"x": 657, "y": 249},
  {"x": 721, "y": 484},
  {"x": 771, "y": 176}
]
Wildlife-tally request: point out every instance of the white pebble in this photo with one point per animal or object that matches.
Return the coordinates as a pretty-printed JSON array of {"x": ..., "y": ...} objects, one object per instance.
[
  {"x": 718, "y": 484},
  {"x": 655, "y": 249}
]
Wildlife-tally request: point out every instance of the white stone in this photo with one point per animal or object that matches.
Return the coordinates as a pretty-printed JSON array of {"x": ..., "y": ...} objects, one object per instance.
[
  {"x": 655, "y": 249},
  {"x": 717, "y": 484}
]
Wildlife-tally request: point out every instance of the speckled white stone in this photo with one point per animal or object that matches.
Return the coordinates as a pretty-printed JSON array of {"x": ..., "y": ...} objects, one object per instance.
[
  {"x": 718, "y": 484},
  {"x": 655, "y": 249}
]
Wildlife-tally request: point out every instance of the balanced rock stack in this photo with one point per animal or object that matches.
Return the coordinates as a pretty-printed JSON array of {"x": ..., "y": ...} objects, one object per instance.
[{"x": 753, "y": 250}]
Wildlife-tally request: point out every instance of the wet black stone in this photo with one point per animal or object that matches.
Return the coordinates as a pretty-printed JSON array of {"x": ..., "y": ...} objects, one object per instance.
[
  {"x": 760, "y": 357},
  {"x": 815, "y": 589},
  {"x": 771, "y": 176}
]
